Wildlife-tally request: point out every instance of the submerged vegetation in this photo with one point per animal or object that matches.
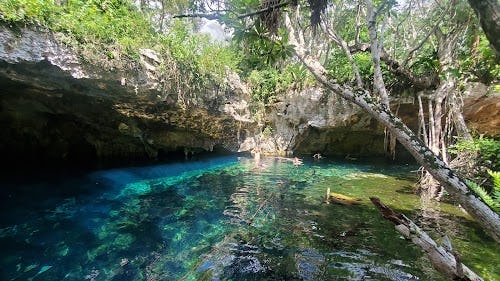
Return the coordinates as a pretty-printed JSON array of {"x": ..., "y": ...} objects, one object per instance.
[{"x": 222, "y": 219}]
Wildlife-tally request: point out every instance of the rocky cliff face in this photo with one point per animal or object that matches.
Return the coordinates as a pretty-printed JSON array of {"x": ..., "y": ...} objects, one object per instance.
[
  {"x": 482, "y": 109},
  {"x": 313, "y": 120},
  {"x": 54, "y": 106},
  {"x": 57, "y": 107}
]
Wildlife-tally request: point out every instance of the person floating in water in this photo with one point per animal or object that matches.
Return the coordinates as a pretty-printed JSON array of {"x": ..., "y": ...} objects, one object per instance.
[
  {"x": 317, "y": 156},
  {"x": 297, "y": 161},
  {"x": 256, "y": 157}
]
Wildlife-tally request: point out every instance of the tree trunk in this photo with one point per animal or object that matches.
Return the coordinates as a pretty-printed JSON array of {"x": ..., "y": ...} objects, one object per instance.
[
  {"x": 488, "y": 219},
  {"x": 376, "y": 48},
  {"x": 488, "y": 12},
  {"x": 458, "y": 118},
  {"x": 444, "y": 258}
]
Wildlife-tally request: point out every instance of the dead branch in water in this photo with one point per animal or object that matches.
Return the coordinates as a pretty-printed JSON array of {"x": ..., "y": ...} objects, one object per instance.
[
  {"x": 444, "y": 259},
  {"x": 332, "y": 197}
]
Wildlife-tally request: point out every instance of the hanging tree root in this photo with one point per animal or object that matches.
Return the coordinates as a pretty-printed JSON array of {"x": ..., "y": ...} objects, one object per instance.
[{"x": 445, "y": 260}]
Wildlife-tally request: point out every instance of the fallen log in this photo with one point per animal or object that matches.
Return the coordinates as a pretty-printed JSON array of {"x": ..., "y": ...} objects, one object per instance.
[
  {"x": 443, "y": 258},
  {"x": 344, "y": 197},
  {"x": 332, "y": 197}
]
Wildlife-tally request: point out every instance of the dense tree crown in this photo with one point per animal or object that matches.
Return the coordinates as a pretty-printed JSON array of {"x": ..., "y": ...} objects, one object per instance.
[{"x": 408, "y": 33}]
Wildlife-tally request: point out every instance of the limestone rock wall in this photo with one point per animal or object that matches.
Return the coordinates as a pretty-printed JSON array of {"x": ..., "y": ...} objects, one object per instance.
[
  {"x": 55, "y": 106},
  {"x": 482, "y": 109},
  {"x": 312, "y": 120}
]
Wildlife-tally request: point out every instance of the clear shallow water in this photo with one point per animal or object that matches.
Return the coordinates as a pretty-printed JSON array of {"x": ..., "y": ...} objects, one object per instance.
[{"x": 225, "y": 219}]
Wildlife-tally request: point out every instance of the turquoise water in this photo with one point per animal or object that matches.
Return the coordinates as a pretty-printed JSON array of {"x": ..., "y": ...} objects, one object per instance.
[{"x": 224, "y": 218}]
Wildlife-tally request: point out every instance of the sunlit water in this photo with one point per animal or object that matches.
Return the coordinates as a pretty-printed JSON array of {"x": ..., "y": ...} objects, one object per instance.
[{"x": 226, "y": 219}]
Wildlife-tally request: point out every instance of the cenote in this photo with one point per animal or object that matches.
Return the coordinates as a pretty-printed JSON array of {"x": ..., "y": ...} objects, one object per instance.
[{"x": 224, "y": 218}]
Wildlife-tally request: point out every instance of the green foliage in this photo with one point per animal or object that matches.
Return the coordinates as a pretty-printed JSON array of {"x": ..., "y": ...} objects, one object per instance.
[
  {"x": 268, "y": 131},
  {"x": 40, "y": 12},
  {"x": 426, "y": 62},
  {"x": 491, "y": 199},
  {"x": 268, "y": 84},
  {"x": 109, "y": 22},
  {"x": 116, "y": 24},
  {"x": 478, "y": 60},
  {"x": 340, "y": 69},
  {"x": 264, "y": 85},
  {"x": 198, "y": 57},
  {"x": 258, "y": 50},
  {"x": 496, "y": 179},
  {"x": 488, "y": 151}
]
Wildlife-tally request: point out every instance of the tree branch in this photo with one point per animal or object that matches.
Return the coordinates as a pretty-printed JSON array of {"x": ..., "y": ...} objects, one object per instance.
[
  {"x": 376, "y": 48},
  {"x": 358, "y": 23},
  {"x": 215, "y": 16},
  {"x": 218, "y": 15},
  {"x": 263, "y": 10},
  {"x": 410, "y": 53},
  {"x": 335, "y": 37},
  {"x": 419, "y": 81}
]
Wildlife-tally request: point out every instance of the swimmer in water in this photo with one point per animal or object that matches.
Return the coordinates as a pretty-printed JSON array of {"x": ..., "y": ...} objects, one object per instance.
[{"x": 297, "y": 161}]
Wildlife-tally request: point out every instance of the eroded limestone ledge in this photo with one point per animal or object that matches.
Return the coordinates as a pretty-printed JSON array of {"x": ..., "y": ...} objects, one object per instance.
[{"x": 56, "y": 106}]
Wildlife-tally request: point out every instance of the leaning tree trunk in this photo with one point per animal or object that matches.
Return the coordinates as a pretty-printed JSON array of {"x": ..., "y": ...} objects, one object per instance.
[
  {"x": 488, "y": 12},
  {"x": 488, "y": 219},
  {"x": 443, "y": 258}
]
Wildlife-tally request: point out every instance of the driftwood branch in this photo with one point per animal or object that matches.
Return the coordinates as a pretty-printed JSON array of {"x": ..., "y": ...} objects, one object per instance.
[
  {"x": 338, "y": 198},
  {"x": 443, "y": 258}
]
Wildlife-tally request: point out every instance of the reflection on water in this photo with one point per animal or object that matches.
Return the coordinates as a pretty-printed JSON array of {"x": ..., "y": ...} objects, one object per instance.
[{"x": 224, "y": 219}]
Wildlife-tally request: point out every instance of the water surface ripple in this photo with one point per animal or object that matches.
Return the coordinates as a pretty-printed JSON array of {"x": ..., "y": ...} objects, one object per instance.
[{"x": 225, "y": 218}]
